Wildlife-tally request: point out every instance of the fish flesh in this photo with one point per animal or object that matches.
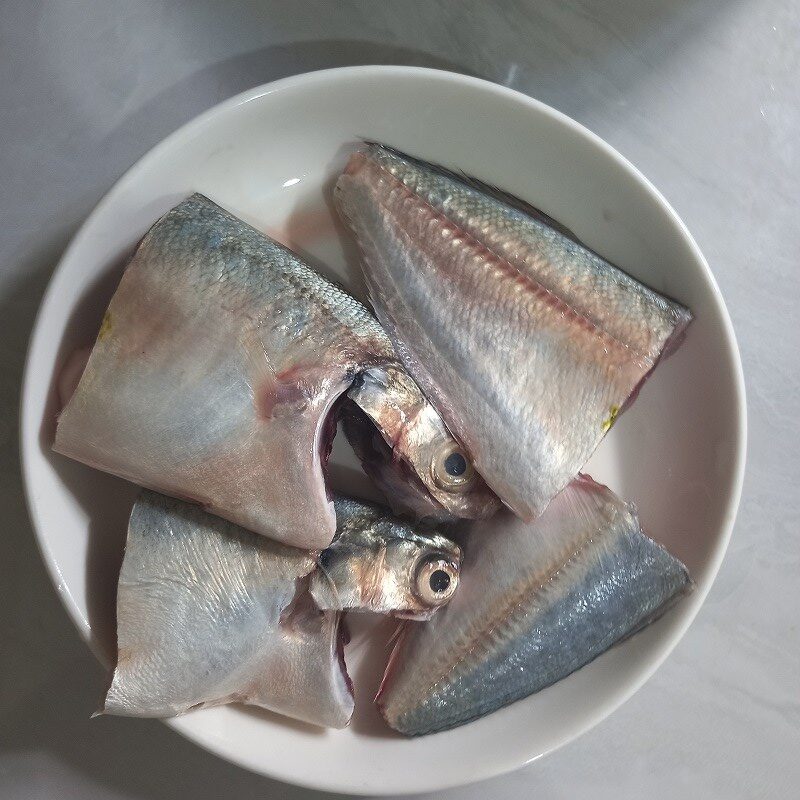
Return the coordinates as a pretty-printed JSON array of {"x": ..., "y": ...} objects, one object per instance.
[
  {"x": 383, "y": 564},
  {"x": 209, "y": 613},
  {"x": 536, "y": 602},
  {"x": 528, "y": 344},
  {"x": 386, "y": 415},
  {"x": 217, "y": 372}
]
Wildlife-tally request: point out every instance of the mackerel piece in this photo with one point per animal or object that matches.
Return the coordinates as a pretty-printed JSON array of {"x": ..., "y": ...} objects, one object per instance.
[
  {"x": 528, "y": 344},
  {"x": 208, "y": 613},
  {"x": 536, "y": 602},
  {"x": 216, "y": 373}
]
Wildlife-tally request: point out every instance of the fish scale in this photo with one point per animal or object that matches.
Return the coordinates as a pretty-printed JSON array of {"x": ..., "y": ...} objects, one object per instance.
[
  {"x": 459, "y": 354},
  {"x": 580, "y": 277}
]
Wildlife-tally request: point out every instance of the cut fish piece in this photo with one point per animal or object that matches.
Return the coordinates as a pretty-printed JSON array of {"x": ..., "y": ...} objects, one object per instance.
[
  {"x": 215, "y": 375},
  {"x": 528, "y": 344},
  {"x": 537, "y": 601},
  {"x": 208, "y": 613}
]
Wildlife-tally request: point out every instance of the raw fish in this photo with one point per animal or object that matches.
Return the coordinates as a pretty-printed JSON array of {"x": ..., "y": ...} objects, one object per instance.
[
  {"x": 536, "y": 602},
  {"x": 216, "y": 373},
  {"x": 528, "y": 344},
  {"x": 383, "y": 564},
  {"x": 208, "y": 613}
]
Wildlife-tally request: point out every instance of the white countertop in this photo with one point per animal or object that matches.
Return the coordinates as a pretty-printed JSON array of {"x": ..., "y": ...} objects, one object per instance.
[{"x": 702, "y": 95}]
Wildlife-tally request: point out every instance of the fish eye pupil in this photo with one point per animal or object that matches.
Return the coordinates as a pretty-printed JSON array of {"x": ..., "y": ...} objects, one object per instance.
[
  {"x": 439, "y": 581},
  {"x": 455, "y": 464}
]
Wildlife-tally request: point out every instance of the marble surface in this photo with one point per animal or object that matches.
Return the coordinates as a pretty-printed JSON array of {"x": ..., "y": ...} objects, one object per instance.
[{"x": 702, "y": 95}]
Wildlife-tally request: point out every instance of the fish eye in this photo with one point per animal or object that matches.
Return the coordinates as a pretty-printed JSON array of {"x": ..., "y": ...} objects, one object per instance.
[
  {"x": 451, "y": 469},
  {"x": 436, "y": 580}
]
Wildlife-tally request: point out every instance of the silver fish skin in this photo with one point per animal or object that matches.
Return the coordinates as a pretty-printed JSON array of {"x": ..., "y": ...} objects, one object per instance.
[
  {"x": 528, "y": 344},
  {"x": 433, "y": 477},
  {"x": 383, "y": 564},
  {"x": 216, "y": 372},
  {"x": 537, "y": 601},
  {"x": 209, "y": 613}
]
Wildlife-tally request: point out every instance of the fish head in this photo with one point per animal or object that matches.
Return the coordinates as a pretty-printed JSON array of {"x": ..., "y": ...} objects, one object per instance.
[
  {"x": 415, "y": 460},
  {"x": 386, "y": 565}
]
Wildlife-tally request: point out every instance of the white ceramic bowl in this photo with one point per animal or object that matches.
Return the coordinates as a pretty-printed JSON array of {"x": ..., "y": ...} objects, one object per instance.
[{"x": 271, "y": 155}]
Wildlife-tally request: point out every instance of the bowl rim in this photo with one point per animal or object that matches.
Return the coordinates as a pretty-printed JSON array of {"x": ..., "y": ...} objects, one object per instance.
[{"x": 500, "y": 765}]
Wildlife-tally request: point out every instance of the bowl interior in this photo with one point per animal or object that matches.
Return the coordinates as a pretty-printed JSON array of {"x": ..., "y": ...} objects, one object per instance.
[{"x": 271, "y": 156}]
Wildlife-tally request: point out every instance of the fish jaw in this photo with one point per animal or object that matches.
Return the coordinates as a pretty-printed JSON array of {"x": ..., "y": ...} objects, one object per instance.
[
  {"x": 538, "y": 602},
  {"x": 524, "y": 377},
  {"x": 208, "y": 614},
  {"x": 215, "y": 374},
  {"x": 410, "y": 469},
  {"x": 383, "y": 564}
]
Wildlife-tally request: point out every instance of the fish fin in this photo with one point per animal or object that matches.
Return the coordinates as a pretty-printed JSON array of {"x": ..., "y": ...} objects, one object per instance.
[
  {"x": 301, "y": 605},
  {"x": 395, "y": 642},
  {"x": 484, "y": 187},
  {"x": 276, "y": 393},
  {"x": 395, "y": 635},
  {"x": 336, "y": 605}
]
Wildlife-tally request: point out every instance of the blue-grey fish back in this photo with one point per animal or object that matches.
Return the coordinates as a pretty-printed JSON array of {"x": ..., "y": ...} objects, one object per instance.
[{"x": 629, "y": 583}]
